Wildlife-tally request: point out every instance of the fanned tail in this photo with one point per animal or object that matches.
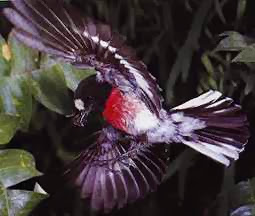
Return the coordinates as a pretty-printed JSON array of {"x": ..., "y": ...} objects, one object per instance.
[
  {"x": 224, "y": 127},
  {"x": 113, "y": 174}
]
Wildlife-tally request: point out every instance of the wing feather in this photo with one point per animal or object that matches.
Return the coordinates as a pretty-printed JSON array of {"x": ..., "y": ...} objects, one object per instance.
[
  {"x": 62, "y": 31},
  {"x": 111, "y": 173}
]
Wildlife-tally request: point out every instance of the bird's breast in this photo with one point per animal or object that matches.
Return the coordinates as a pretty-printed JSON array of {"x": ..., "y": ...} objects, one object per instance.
[{"x": 129, "y": 114}]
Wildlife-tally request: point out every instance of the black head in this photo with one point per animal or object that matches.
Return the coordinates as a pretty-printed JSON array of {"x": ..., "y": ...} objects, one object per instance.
[{"x": 90, "y": 96}]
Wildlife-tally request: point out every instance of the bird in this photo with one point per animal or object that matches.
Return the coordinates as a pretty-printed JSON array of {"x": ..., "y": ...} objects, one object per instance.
[{"x": 113, "y": 172}]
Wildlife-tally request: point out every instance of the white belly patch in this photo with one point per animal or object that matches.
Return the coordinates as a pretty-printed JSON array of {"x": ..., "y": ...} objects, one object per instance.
[{"x": 145, "y": 120}]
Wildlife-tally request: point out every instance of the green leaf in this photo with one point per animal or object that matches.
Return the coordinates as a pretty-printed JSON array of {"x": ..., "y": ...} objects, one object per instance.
[
  {"x": 49, "y": 88},
  {"x": 246, "y": 55},
  {"x": 241, "y": 8},
  {"x": 24, "y": 59},
  {"x": 233, "y": 41},
  {"x": 4, "y": 57},
  {"x": 39, "y": 189},
  {"x": 8, "y": 127},
  {"x": 243, "y": 198},
  {"x": 16, "y": 98},
  {"x": 247, "y": 210},
  {"x": 73, "y": 75},
  {"x": 207, "y": 63},
  {"x": 243, "y": 193},
  {"x": 16, "y": 166},
  {"x": 18, "y": 202}
]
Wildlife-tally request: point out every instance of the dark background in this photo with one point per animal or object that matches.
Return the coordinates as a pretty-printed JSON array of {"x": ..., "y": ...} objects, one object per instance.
[{"x": 157, "y": 29}]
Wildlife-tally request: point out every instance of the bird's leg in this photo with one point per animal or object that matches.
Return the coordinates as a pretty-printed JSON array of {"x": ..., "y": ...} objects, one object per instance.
[
  {"x": 110, "y": 138},
  {"x": 136, "y": 144}
]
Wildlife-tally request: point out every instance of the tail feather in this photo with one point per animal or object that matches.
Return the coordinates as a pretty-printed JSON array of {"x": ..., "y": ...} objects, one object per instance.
[
  {"x": 220, "y": 140},
  {"x": 202, "y": 148},
  {"x": 200, "y": 101},
  {"x": 225, "y": 130},
  {"x": 114, "y": 175}
]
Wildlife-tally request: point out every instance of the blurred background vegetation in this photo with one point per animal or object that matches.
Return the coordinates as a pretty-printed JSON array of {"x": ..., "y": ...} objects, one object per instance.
[{"x": 190, "y": 46}]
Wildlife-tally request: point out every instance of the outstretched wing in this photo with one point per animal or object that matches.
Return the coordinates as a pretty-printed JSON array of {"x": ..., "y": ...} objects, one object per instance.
[
  {"x": 112, "y": 173},
  {"x": 56, "y": 28}
]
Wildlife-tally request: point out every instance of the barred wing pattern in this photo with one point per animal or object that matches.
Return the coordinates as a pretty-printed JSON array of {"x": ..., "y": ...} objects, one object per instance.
[
  {"x": 56, "y": 28},
  {"x": 112, "y": 174}
]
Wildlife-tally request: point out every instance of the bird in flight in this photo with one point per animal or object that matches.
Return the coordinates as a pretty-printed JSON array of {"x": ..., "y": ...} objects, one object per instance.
[{"x": 124, "y": 164}]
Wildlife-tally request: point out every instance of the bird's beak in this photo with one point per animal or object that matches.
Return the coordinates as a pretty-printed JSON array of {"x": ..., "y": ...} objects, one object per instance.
[{"x": 80, "y": 118}]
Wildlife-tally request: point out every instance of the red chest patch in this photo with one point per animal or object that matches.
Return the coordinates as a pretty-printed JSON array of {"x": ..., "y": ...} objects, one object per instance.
[{"x": 120, "y": 110}]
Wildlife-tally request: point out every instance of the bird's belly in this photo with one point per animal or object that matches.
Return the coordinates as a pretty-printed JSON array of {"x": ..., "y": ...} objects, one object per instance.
[{"x": 128, "y": 113}]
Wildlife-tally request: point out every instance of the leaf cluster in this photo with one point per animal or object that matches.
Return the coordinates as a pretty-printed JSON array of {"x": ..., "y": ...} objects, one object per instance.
[{"x": 26, "y": 79}]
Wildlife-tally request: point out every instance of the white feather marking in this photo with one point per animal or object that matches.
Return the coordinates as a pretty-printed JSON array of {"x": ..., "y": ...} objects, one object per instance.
[
  {"x": 145, "y": 120},
  {"x": 229, "y": 139},
  {"x": 208, "y": 152},
  {"x": 85, "y": 34},
  {"x": 139, "y": 78},
  {"x": 104, "y": 44},
  {"x": 166, "y": 132},
  {"x": 99, "y": 77},
  {"x": 188, "y": 125},
  {"x": 112, "y": 49},
  {"x": 220, "y": 111},
  {"x": 208, "y": 97},
  {"x": 78, "y": 103},
  {"x": 154, "y": 78},
  {"x": 159, "y": 88},
  {"x": 177, "y": 117},
  {"x": 213, "y": 96},
  {"x": 124, "y": 62},
  {"x": 220, "y": 102},
  {"x": 222, "y": 150},
  {"x": 95, "y": 39},
  {"x": 117, "y": 56}
]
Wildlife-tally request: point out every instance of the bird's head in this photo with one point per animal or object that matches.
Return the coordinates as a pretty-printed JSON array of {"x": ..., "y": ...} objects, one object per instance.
[{"x": 90, "y": 96}]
